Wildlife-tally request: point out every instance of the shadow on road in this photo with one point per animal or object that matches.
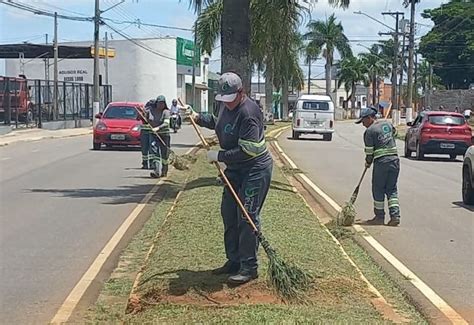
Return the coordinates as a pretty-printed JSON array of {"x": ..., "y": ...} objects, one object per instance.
[
  {"x": 182, "y": 145},
  {"x": 117, "y": 148},
  {"x": 462, "y": 205},
  {"x": 112, "y": 196}
]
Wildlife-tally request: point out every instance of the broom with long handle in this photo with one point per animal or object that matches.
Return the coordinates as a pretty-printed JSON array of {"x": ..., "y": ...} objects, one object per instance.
[
  {"x": 288, "y": 280},
  {"x": 347, "y": 215},
  {"x": 178, "y": 162}
]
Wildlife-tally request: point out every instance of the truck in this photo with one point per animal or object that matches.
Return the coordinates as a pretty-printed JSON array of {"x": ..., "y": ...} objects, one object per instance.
[{"x": 16, "y": 91}]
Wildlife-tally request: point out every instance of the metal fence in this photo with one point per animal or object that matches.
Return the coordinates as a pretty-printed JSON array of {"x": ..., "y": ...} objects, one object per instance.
[{"x": 31, "y": 102}]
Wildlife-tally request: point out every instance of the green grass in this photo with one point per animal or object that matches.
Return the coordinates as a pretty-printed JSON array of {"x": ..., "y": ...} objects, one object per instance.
[{"x": 177, "y": 286}]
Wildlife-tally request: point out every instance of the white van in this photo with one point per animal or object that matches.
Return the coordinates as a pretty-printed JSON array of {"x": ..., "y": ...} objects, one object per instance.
[{"x": 314, "y": 114}]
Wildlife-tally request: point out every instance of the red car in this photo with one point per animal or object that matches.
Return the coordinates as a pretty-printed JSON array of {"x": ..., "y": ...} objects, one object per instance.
[
  {"x": 118, "y": 125},
  {"x": 437, "y": 132}
]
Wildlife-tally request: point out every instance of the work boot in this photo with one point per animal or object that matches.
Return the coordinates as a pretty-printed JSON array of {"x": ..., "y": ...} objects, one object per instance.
[
  {"x": 154, "y": 174},
  {"x": 242, "y": 277},
  {"x": 394, "y": 222},
  {"x": 376, "y": 221},
  {"x": 228, "y": 268},
  {"x": 144, "y": 164}
]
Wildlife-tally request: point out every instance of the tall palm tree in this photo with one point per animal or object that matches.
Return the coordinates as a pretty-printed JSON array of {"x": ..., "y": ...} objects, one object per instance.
[
  {"x": 330, "y": 35},
  {"x": 377, "y": 68},
  {"x": 235, "y": 36},
  {"x": 352, "y": 71},
  {"x": 311, "y": 54}
]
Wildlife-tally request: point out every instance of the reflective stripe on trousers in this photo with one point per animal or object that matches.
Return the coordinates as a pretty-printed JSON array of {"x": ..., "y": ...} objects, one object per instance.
[{"x": 384, "y": 184}]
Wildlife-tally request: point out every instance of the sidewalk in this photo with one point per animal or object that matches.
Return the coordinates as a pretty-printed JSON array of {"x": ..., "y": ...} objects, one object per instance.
[{"x": 40, "y": 134}]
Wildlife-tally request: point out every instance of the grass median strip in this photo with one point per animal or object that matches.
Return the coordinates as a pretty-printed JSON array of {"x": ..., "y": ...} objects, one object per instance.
[{"x": 177, "y": 285}]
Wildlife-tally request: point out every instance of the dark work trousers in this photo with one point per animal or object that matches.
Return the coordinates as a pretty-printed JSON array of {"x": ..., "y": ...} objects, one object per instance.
[
  {"x": 145, "y": 144},
  {"x": 384, "y": 183},
  {"x": 240, "y": 241},
  {"x": 160, "y": 153}
]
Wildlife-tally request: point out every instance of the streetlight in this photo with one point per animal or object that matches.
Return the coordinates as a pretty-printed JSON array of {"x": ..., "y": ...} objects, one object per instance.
[{"x": 374, "y": 19}]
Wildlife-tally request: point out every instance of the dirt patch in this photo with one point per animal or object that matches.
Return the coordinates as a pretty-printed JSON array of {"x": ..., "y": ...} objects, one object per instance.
[{"x": 253, "y": 293}]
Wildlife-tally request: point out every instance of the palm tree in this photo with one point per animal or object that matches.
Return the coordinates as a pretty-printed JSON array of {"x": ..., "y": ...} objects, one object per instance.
[
  {"x": 352, "y": 71},
  {"x": 330, "y": 35},
  {"x": 377, "y": 68},
  {"x": 311, "y": 54},
  {"x": 235, "y": 36}
]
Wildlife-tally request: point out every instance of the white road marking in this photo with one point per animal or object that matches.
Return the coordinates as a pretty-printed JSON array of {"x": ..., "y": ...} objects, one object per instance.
[
  {"x": 5, "y": 158},
  {"x": 65, "y": 311},
  {"x": 429, "y": 293}
]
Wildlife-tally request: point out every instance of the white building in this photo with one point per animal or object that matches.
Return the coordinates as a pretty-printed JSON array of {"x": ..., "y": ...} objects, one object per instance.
[{"x": 141, "y": 69}]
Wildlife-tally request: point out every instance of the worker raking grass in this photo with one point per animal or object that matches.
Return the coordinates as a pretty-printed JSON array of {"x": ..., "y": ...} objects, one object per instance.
[{"x": 247, "y": 177}]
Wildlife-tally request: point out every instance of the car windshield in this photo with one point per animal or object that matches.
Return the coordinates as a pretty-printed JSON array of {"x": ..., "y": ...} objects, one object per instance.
[
  {"x": 316, "y": 106},
  {"x": 121, "y": 112},
  {"x": 447, "y": 120}
]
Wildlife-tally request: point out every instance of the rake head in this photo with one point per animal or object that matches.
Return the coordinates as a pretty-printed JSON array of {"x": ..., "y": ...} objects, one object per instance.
[
  {"x": 288, "y": 280},
  {"x": 347, "y": 215}
]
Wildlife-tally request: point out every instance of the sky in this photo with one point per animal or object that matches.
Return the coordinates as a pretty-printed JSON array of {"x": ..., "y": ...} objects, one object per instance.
[{"x": 17, "y": 26}]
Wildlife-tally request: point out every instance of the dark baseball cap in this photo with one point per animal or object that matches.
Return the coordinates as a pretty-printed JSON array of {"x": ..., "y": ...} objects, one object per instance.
[
  {"x": 229, "y": 86},
  {"x": 366, "y": 112},
  {"x": 161, "y": 98}
]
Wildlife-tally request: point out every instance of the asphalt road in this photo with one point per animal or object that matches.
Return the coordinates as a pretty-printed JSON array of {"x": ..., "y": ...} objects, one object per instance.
[
  {"x": 60, "y": 204},
  {"x": 435, "y": 238}
]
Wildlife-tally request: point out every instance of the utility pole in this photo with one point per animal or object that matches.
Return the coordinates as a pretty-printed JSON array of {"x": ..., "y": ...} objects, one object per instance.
[
  {"x": 106, "y": 59},
  {"x": 395, "y": 34},
  {"x": 55, "y": 70},
  {"x": 411, "y": 49},
  {"x": 96, "y": 94},
  {"x": 403, "y": 28},
  {"x": 415, "y": 102}
]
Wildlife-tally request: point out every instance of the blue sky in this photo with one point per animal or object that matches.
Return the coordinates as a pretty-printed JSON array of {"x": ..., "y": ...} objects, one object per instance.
[{"x": 18, "y": 26}]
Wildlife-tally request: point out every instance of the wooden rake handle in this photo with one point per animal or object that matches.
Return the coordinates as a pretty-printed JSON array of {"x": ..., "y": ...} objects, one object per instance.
[
  {"x": 145, "y": 120},
  {"x": 224, "y": 177}
]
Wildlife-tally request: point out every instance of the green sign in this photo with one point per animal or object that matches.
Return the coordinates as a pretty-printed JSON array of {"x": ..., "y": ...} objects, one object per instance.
[{"x": 185, "y": 52}]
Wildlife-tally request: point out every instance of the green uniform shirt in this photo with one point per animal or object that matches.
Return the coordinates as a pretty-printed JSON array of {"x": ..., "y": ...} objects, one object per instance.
[{"x": 380, "y": 142}]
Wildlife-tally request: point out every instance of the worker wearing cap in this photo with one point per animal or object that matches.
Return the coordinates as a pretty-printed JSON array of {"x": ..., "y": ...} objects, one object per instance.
[
  {"x": 381, "y": 150},
  {"x": 145, "y": 131},
  {"x": 239, "y": 128},
  {"x": 160, "y": 139}
]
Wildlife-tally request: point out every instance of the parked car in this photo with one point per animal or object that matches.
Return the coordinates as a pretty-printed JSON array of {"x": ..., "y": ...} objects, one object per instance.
[
  {"x": 314, "y": 114},
  {"x": 437, "y": 132},
  {"x": 118, "y": 125},
  {"x": 468, "y": 177}
]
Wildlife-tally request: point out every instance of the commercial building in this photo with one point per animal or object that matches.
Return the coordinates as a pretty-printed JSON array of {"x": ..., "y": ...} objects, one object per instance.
[{"x": 141, "y": 69}]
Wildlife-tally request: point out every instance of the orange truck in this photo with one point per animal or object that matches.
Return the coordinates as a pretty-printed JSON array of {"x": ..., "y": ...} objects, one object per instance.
[{"x": 17, "y": 93}]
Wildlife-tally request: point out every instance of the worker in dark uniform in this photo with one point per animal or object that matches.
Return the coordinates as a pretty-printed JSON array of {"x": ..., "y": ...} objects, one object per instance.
[
  {"x": 160, "y": 121},
  {"x": 145, "y": 131},
  {"x": 239, "y": 128},
  {"x": 381, "y": 150}
]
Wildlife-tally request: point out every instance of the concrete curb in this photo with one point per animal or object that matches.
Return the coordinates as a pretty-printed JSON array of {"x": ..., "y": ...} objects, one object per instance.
[{"x": 10, "y": 139}]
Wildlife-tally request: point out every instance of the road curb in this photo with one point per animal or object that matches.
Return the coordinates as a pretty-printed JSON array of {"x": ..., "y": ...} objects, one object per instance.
[{"x": 42, "y": 137}]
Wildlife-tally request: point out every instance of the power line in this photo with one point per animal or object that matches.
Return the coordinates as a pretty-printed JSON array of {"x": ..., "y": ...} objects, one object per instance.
[
  {"x": 139, "y": 23},
  {"x": 41, "y": 12}
]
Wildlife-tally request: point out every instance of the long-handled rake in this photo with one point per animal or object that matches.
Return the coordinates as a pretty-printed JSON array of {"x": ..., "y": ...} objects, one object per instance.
[
  {"x": 347, "y": 215},
  {"x": 178, "y": 162},
  {"x": 288, "y": 280}
]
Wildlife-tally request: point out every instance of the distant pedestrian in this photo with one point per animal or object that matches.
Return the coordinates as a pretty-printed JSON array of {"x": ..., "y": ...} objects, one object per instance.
[
  {"x": 467, "y": 114},
  {"x": 456, "y": 109}
]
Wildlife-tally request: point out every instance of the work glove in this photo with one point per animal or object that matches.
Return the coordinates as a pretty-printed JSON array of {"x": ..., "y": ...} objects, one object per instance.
[
  {"x": 156, "y": 129},
  {"x": 190, "y": 113},
  {"x": 368, "y": 164},
  {"x": 212, "y": 156}
]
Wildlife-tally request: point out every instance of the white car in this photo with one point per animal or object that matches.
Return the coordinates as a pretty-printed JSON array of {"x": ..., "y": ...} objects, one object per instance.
[
  {"x": 468, "y": 177},
  {"x": 314, "y": 114}
]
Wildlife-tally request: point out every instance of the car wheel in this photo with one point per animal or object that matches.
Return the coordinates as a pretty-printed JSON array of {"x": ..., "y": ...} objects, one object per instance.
[
  {"x": 296, "y": 135},
  {"x": 407, "y": 150},
  {"x": 420, "y": 155},
  {"x": 467, "y": 189},
  {"x": 327, "y": 137},
  {"x": 452, "y": 156},
  {"x": 97, "y": 146}
]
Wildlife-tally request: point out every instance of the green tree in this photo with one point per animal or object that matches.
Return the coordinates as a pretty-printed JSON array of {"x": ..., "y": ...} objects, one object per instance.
[
  {"x": 352, "y": 71},
  {"x": 330, "y": 35},
  {"x": 449, "y": 46},
  {"x": 377, "y": 68}
]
